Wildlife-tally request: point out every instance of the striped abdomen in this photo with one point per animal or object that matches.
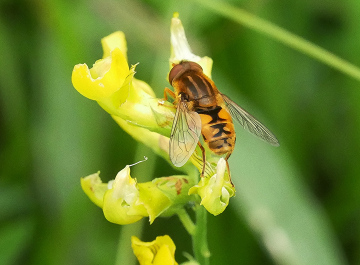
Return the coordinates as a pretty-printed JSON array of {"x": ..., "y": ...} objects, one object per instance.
[{"x": 218, "y": 130}]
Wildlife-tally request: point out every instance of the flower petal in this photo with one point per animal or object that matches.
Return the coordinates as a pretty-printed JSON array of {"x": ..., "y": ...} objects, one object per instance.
[
  {"x": 154, "y": 200},
  {"x": 106, "y": 77},
  {"x": 114, "y": 40},
  {"x": 161, "y": 251},
  {"x": 164, "y": 256},
  {"x": 215, "y": 191},
  {"x": 94, "y": 188},
  {"x": 121, "y": 202},
  {"x": 180, "y": 48}
]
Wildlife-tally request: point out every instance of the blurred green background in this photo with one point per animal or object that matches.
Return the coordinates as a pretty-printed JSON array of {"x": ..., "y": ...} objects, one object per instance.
[{"x": 295, "y": 204}]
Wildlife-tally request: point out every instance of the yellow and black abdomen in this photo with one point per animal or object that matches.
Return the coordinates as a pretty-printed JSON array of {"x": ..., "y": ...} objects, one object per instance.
[{"x": 218, "y": 130}]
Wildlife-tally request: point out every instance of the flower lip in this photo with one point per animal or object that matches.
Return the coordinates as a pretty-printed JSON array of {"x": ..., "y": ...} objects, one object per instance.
[
  {"x": 159, "y": 251},
  {"x": 105, "y": 77}
]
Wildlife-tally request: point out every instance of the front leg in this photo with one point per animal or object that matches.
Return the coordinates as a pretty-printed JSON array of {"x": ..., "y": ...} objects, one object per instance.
[{"x": 168, "y": 91}]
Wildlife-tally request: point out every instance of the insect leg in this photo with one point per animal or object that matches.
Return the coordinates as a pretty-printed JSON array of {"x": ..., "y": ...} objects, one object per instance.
[
  {"x": 203, "y": 157},
  {"x": 168, "y": 91},
  {"x": 228, "y": 168}
]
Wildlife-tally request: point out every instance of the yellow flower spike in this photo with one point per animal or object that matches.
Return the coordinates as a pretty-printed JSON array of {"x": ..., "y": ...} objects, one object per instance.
[
  {"x": 161, "y": 251},
  {"x": 121, "y": 202},
  {"x": 103, "y": 79},
  {"x": 215, "y": 191}
]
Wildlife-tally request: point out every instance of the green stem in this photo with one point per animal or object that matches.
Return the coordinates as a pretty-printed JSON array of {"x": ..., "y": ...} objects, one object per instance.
[
  {"x": 282, "y": 35},
  {"x": 186, "y": 221},
  {"x": 201, "y": 250},
  {"x": 124, "y": 253}
]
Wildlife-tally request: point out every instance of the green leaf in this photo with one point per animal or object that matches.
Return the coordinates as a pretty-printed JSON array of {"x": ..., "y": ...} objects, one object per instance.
[
  {"x": 279, "y": 207},
  {"x": 289, "y": 39}
]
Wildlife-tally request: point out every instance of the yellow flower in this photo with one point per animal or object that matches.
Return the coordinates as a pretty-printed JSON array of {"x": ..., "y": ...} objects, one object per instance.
[
  {"x": 107, "y": 75},
  {"x": 133, "y": 105},
  {"x": 122, "y": 204},
  {"x": 215, "y": 191},
  {"x": 112, "y": 84},
  {"x": 161, "y": 251},
  {"x": 124, "y": 201}
]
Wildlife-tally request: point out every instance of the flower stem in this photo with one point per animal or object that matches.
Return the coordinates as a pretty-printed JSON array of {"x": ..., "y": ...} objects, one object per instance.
[
  {"x": 186, "y": 221},
  {"x": 124, "y": 253},
  {"x": 273, "y": 31},
  {"x": 201, "y": 250}
]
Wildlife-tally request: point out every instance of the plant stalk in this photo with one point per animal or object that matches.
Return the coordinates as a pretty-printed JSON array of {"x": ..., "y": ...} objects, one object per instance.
[
  {"x": 275, "y": 32},
  {"x": 199, "y": 238}
]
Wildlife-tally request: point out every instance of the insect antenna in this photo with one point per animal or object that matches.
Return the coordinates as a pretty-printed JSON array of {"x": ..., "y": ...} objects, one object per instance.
[{"x": 145, "y": 159}]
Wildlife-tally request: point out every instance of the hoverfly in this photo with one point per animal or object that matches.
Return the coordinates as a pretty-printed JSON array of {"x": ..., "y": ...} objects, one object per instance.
[{"x": 202, "y": 110}]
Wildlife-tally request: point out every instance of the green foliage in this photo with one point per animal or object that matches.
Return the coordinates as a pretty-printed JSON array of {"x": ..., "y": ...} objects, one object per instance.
[{"x": 295, "y": 204}]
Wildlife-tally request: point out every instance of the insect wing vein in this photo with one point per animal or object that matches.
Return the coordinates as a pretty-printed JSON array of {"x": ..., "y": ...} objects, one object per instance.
[
  {"x": 249, "y": 122},
  {"x": 185, "y": 134}
]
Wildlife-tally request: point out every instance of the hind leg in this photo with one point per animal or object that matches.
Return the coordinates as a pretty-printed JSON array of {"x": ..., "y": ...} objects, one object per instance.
[
  {"x": 203, "y": 157},
  {"x": 228, "y": 168}
]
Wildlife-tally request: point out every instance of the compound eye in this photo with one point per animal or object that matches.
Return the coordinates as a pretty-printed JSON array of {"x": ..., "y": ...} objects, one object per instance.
[
  {"x": 176, "y": 71},
  {"x": 195, "y": 67}
]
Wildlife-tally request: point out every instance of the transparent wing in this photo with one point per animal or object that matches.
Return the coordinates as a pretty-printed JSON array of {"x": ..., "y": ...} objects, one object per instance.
[
  {"x": 249, "y": 122},
  {"x": 198, "y": 162},
  {"x": 185, "y": 134}
]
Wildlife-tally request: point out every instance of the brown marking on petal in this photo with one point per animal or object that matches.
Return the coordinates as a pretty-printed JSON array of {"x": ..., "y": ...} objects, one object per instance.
[{"x": 178, "y": 186}]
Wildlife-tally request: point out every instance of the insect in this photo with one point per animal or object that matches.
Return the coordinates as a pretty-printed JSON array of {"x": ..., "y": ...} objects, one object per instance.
[{"x": 202, "y": 110}]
